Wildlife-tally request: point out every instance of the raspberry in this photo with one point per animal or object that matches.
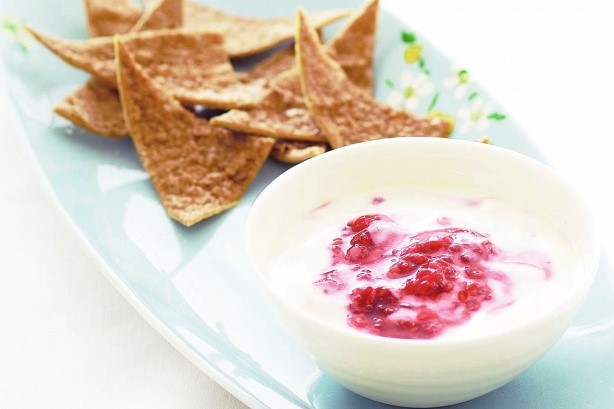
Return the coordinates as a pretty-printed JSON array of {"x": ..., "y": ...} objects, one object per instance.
[
  {"x": 432, "y": 244},
  {"x": 455, "y": 248},
  {"x": 426, "y": 325},
  {"x": 407, "y": 327},
  {"x": 362, "y": 222},
  {"x": 415, "y": 258},
  {"x": 477, "y": 290},
  {"x": 427, "y": 282},
  {"x": 472, "y": 305},
  {"x": 426, "y": 315},
  {"x": 467, "y": 257},
  {"x": 444, "y": 272},
  {"x": 363, "y": 237},
  {"x": 473, "y": 294},
  {"x": 446, "y": 269},
  {"x": 400, "y": 269},
  {"x": 356, "y": 253},
  {"x": 379, "y": 301},
  {"x": 462, "y": 296}
]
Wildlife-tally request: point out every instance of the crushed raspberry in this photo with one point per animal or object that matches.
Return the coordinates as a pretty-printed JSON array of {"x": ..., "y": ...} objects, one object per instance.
[
  {"x": 363, "y": 238},
  {"x": 362, "y": 222},
  {"x": 431, "y": 245},
  {"x": 415, "y": 258},
  {"x": 376, "y": 301},
  {"x": 419, "y": 284},
  {"x": 357, "y": 252},
  {"x": 400, "y": 269}
]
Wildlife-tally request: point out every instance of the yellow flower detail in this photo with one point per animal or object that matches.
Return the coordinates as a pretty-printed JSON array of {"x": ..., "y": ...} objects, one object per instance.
[
  {"x": 413, "y": 52},
  {"x": 442, "y": 116},
  {"x": 408, "y": 92}
]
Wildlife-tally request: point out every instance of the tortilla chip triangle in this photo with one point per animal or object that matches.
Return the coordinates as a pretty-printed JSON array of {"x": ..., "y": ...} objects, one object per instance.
[
  {"x": 94, "y": 55},
  {"x": 247, "y": 36},
  {"x": 194, "y": 65},
  {"x": 283, "y": 113},
  {"x": 96, "y": 108},
  {"x": 296, "y": 151},
  {"x": 197, "y": 170},
  {"x": 109, "y": 17},
  {"x": 162, "y": 14},
  {"x": 354, "y": 46},
  {"x": 273, "y": 65},
  {"x": 345, "y": 112}
]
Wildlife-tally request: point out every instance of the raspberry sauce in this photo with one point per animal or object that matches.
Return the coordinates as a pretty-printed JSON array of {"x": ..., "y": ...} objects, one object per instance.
[{"x": 404, "y": 284}]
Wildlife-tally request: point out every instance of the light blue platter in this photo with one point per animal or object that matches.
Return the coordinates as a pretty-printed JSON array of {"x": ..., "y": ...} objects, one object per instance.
[{"x": 196, "y": 287}]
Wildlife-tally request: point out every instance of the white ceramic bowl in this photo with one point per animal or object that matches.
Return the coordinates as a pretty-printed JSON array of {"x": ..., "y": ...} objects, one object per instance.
[{"x": 436, "y": 372}]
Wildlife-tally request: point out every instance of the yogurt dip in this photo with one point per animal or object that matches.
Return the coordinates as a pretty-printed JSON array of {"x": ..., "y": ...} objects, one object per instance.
[
  {"x": 533, "y": 237},
  {"x": 421, "y": 265}
]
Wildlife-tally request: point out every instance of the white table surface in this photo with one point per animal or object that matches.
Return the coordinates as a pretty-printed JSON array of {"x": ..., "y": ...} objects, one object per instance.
[{"x": 69, "y": 340}]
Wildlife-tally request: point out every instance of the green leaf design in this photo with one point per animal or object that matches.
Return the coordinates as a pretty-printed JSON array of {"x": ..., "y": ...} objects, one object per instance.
[
  {"x": 496, "y": 116},
  {"x": 472, "y": 96},
  {"x": 15, "y": 31},
  {"x": 389, "y": 83},
  {"x": 433, "y": 102},
  {"x": 408, "y": 37},
  {"x": 422, "y": 66},
  {"x": 463, "y": 76},
  {"x": 10, "y": 26}
]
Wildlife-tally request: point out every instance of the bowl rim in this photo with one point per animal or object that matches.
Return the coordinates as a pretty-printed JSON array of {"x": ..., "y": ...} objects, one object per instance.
[{"x": 569, "y": 303}]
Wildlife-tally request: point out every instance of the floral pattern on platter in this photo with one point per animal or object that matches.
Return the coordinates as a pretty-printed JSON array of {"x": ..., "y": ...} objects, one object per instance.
[
  {"x": 15, "y": 32},
  {"x": 458, "y": 81},
  {"x": 414, "y": 87},
  {"x": 420, "y": 90},
  {"x": 475, "y": 114},
  {"x": 423, "y": 91}
]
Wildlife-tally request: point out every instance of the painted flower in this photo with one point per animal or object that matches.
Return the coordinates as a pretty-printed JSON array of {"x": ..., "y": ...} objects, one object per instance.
[
  {"x": 414, "y": 86},
  {"x": 413, "y": 50},
  {"x": 459, "y": 81},
  {"x": 15, "y": 32},
  {"x": 412, "y": 53},
  {"x": 476, "y": 114}
]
